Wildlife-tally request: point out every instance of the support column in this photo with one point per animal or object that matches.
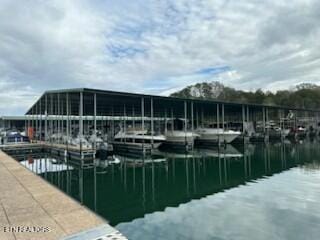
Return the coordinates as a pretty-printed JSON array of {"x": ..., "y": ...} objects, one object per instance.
[
  {"x": 32, "y": 123},
  {"x": 133, "y": 118},
  {"x": 28, "y": 125},
  {"x": 81, "y": 120},
  {"x": 40, "y": 128},
  {"x": 185, "y": 123},
  {"x": 51, "y": 121},
  {"x": 68, "y": 118},
  {"x": 267, "y": 120},
  {"x": 142, "y": 122},
  {"x": 36, "y": 122},
  {"x": 165, "y": 122},
  {"x": 62, "y": 117},
  {"x": 264, "y": 120},
  {"x": 281, "y": 124},
  {"x": 172, "y": 120},
  {"x": 95, "y": 120},
  {"x": 202, "y": 118},
  {"x": 58, "y": 117},
  {"x": 152, "y": 123},
  {"x": 218, "y": 121},
  {"x": 248, "y": 120},
  {"x": 55, "y": 122},
  {"x": 224, "y": 140},
  {"x": 244, "y": 130},
  {"x": 25, "y": 126},
  {"x": 192, "y": 124},
  {"x": 46, "y": 119},
  {"x": 197, "y": 121},
  {"x": 124, "y": 120}
]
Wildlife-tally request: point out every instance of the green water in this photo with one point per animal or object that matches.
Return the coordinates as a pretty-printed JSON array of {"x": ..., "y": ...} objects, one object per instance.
[{"x": 252, "y": 192}]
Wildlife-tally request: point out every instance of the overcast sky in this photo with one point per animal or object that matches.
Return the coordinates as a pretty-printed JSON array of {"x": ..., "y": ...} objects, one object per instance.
[{"x": 154, "y": 46}]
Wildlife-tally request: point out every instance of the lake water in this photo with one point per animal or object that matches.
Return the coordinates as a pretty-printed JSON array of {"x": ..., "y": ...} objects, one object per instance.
[{"x": 252, "y": 192}]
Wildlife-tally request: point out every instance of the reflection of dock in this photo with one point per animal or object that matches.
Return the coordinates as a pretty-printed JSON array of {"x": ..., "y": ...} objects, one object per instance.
[{"x": 29, "y": 201}]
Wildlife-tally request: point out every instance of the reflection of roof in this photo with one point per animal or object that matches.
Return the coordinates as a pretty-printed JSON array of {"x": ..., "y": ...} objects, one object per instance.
[{"x": 45, "y": 165}]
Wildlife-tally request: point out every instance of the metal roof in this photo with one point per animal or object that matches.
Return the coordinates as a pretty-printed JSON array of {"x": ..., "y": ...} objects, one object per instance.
[{"x": 164, "y": 98}]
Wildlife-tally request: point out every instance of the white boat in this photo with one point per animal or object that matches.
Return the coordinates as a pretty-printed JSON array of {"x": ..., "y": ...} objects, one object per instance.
[
  {"x": 180, "y": 137},
  {"x": 275, "y": 131},
  {"x": 94, "y": 139},
  {"x": 104, "y": 150},
  {"x": 139, "y": 137},
  {"x": 301, "y": 132},
  {"x": 215, "y": 135},
  {"x": 80, "y": 142},
  {"x": 285, "y": 132}
]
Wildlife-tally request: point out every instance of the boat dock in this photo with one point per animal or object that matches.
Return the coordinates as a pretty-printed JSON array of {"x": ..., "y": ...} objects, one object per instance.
[
  {"x": 31, "y": 208},
  {"x": 76, "y": 116},
  {"x": 84, "y": 156}
]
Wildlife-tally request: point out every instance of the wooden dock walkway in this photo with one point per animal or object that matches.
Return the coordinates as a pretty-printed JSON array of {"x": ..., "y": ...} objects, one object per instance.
[
  {"x": 32, "y": 209},
  {"x": 72, "y": 152}
]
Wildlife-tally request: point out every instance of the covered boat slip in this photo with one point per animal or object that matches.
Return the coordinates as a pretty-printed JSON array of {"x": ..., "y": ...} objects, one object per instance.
[{"x": 61, "y": 115}]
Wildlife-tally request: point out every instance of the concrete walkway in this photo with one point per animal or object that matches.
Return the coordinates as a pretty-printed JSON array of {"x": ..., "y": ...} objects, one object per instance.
[{"x": 30, "y": 203}]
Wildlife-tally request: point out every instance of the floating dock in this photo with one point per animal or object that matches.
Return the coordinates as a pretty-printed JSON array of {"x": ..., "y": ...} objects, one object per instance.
[
  {"x": 31, "y": 208},
  {"x": 86, "y": 155}
]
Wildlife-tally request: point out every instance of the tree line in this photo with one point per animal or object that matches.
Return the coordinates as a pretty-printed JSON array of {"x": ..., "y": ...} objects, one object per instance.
[{"x": 304, "y": 95}]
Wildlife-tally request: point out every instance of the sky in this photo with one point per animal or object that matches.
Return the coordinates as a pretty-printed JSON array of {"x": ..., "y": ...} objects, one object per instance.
[{"x": 155, "y": 47}]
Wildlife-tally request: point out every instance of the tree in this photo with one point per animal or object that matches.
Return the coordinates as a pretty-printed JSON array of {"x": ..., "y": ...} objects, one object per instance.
[{"x": 305, "y": 95}]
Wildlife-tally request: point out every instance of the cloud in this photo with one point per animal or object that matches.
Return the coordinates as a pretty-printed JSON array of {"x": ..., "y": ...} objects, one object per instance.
[{"x": 153, "y": 46}]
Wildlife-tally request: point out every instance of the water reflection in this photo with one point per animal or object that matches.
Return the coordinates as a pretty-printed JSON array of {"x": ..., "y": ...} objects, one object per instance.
[{"x": 166, "y": 194}]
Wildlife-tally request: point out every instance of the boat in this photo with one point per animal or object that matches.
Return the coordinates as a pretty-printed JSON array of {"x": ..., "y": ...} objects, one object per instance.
[
  {"x": 134, "y": 140},
  {"x": 272, "y": 131},
  {"x": 104, "y": 151},
  {"x": 140, "y": 137},
  {"x": 80, "y": 142},
  {"x": 13, "y": 137},
  {"x": 297, "y": 133},
  {"x": 301, "y": 132},
  {"x": 97, "y": 142},
  {"x": 178, "y": 138},
  {"x": 216, "y": 135},
  {"x": 277, "y": 132}
]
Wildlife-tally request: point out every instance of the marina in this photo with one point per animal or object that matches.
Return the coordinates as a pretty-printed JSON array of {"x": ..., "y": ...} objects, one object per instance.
[
  {"x": 159, "y": 120},
  {"x": 83, "y": 122},
  {"x": 127, "y": 157}
]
